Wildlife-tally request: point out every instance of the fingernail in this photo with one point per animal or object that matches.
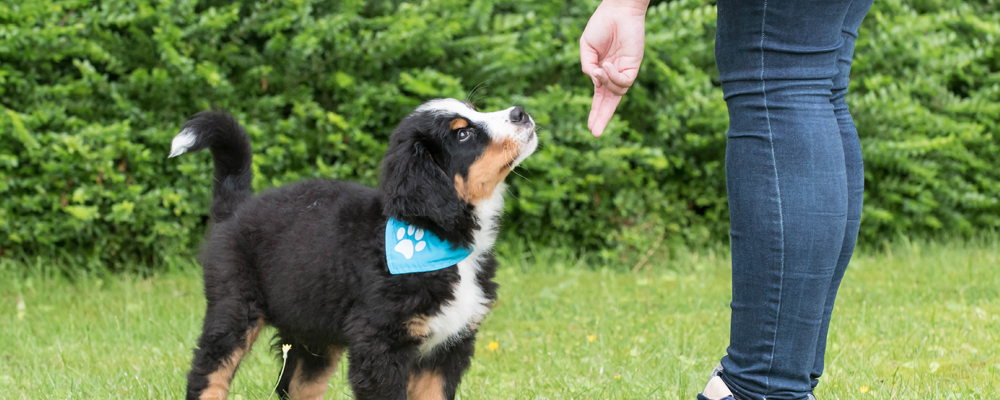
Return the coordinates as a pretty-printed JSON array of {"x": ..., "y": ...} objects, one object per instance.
[{"x": 593, "y": 79}]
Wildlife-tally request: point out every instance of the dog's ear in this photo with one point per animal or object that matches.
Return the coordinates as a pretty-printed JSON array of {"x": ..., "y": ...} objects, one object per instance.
[{"x": 415, "y": 188}]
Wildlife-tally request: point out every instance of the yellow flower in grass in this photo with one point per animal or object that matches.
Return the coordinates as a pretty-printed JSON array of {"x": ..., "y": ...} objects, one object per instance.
[
  {"x": 494, "y": 346},
  {"x": 618, "y": 376},
  {"x": 864, "y": 389},
  {"x": 591, "y": 338}
]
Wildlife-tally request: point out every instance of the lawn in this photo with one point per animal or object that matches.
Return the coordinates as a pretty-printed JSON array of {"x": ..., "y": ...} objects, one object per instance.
[{"x": 913, "y": 321}]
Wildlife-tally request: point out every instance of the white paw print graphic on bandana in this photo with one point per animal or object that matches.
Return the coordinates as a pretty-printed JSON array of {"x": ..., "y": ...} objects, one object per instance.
[{"x": 405, "y": 246}]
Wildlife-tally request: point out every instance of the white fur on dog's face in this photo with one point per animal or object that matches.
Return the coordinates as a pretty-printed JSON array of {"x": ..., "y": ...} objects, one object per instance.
[{"x": 497, "y": 123}]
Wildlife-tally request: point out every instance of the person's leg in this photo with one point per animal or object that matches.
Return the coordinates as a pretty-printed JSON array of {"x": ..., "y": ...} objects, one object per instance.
[
  {"x": 855, "y": 169},
  {"x": 787, "y": 186}
]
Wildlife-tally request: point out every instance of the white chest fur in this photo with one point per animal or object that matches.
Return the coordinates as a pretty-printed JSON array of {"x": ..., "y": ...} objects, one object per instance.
[{"x": 470, "y": 304}]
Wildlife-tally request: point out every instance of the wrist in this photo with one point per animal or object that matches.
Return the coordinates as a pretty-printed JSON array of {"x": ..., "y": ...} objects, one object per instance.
[{"x": 640, "y": 5}]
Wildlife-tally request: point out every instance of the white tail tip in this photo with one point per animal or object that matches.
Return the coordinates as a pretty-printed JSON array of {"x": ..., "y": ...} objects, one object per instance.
[{"x": 181, "y": 143}]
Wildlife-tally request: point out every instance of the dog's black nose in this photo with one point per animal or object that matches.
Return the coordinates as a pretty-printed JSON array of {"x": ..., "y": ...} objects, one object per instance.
[{"x": 518, "y": 116}]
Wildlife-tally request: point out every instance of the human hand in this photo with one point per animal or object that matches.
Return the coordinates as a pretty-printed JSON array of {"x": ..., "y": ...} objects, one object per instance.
[{"x": 611, "y": 50}]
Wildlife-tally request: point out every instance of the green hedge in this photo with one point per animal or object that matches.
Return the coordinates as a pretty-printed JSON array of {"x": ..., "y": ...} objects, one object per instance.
[{"x": 92, "y": 92}]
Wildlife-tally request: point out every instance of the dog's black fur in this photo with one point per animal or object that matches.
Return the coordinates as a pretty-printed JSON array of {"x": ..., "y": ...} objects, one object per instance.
[{"x": 309, "y": 259}]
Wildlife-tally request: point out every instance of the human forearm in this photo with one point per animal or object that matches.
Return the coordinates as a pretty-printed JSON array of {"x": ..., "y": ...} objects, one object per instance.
[{"x": 634, "y": 4}]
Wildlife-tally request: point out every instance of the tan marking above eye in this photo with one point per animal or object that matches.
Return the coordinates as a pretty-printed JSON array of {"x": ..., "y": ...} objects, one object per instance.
[
  {"x": 459, "y": 123},
  {"x": 487, "y": 171}
]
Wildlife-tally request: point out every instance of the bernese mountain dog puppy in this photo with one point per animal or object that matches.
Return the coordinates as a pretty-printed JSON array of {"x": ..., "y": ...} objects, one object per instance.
[{"x": 310, "y": 258}]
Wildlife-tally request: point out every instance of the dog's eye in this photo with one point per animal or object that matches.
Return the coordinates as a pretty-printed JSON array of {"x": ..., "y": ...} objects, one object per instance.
[{"x": 464, "y": 134}]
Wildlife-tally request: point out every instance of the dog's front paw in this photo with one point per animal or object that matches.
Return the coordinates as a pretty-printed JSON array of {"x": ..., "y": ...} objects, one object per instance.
[{"x": 405, "y": 246}]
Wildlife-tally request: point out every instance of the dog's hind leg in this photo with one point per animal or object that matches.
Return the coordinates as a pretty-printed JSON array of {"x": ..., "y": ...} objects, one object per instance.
[
  {"x": 308, "y": 371},
  {"x": 229, "y": 331}
]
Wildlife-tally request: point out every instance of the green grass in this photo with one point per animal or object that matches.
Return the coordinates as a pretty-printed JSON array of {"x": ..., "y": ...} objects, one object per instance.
[{"x": 913, "y": 321}]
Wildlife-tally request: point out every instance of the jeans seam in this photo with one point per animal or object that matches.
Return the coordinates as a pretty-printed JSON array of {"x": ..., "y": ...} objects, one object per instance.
[{"x": 777, "y": 188}]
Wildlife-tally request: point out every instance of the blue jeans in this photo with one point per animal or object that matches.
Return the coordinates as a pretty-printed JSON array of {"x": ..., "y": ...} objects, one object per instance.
[{"x": 795, "y": 181}]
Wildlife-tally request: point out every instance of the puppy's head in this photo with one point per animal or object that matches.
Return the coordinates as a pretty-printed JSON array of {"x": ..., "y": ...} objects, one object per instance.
[{"x": 446, "y": 159}]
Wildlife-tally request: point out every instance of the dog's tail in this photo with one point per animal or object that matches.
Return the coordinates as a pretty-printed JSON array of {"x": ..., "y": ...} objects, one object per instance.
[{"x": 231, "y": 151}]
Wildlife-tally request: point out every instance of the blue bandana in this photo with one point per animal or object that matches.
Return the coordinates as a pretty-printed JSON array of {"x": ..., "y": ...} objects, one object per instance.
[{"x": 409, "y": 249}]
